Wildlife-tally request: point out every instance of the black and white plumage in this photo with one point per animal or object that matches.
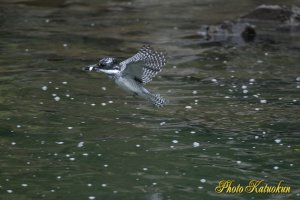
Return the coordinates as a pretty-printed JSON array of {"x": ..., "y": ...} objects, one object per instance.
[{"x": 134, "y": 72}]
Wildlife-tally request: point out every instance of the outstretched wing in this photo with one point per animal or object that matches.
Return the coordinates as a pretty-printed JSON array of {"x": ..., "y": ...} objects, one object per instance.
[{"x": 144, "y": 65}]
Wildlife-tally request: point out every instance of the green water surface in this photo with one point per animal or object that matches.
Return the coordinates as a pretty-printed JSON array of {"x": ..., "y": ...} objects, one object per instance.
[{"x": 69, "y": 134}]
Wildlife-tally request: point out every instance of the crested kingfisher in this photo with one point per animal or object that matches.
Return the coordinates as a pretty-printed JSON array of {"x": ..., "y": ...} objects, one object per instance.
[{"x": 133, "y": 73}]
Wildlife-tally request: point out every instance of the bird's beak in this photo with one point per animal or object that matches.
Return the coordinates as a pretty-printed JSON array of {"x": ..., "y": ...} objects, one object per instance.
[{"x": 90, "y": 67}]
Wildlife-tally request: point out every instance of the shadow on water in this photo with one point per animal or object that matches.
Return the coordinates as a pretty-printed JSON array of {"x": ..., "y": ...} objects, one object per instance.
[{"x": 68, "y": 134}]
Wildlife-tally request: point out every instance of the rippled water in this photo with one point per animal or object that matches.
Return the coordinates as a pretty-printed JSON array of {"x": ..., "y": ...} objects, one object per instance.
[{"x": 68, "y": 134}]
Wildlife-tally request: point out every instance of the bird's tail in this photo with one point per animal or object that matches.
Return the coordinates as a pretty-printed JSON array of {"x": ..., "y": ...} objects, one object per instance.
[{"x": 156, "y": 99}]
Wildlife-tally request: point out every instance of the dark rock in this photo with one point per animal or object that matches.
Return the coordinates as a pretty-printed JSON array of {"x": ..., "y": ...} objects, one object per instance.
[
  {"x": 230, "y": 32},
  {"x": 265, "y": 23},
  {"x": 282, "y": 14}
]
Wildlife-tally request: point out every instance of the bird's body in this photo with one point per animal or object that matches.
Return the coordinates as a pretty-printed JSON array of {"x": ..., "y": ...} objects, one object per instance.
[
  {"x": 132, "y": 73},
  {"x": 130, "y": 85}
]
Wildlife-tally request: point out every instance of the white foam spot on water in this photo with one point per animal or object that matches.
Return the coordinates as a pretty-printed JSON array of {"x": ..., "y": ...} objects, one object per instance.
[
  {"x": 277, "y": 140},
  {"x": 93, "y": 104},
  {"x": 103, "y": 88},
  {"x": 110, "y": 101},
  {"x": 56, "y": 98},
  {"x": 13, "y": 143},
  {"x": 72, "y": 159},
  {"x": 154, "y": 183},
  {"x": 238, "y": 162},
  {"x": 59, "y": 142},
  {"x": 162, "y": 123},
  {"x": 275, "y": 167},
  {"x": 202, "y": 180},
  {"x": 256, "y": 137},
  {"x": 44, "y": 88},
  {"x": 145, "y": 169},
  {"x": 104, "y": 185},
  {"x": 298, "y": 79},
  {"x": 214, "y": 80},
  {"x": 195, "y": 92},
  {"x": 106, "y": 165},
  {"x": 58, "y": 177},
  {"x": 263, "y": 101},
  {"x": 103, "y": 104},
  {"x": 175, "y": 141},
  {"x": 9, "y": 191},
  {"x": 244, "y": 86},
  {"x": 89, "y": 185},
  {"x": 70, "y": 127},
  {"x": 65, "y": 45},
  {"x": 92, "y": 197},
  {"x": 245, "y": 91},
  {"x": 19, "y": 126},
  {"x": 80, "y": 144},
  {"x": 196, "y": 144},
  {"x": 24, "y": 185},
  {"x": 188, "y": 107},
  {"x": 65, "y": 82},
  {"x": 252, "y": 80},
  {"x": 138, "y": 145},
  {"x": 85, "y": 154}
]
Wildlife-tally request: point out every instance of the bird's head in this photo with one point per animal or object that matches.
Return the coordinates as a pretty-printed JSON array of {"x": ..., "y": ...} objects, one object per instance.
[{"x": 107, "y": 65}]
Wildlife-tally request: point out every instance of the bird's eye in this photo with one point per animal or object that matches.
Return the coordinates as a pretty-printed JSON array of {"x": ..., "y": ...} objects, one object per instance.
[{"x": 101, "y": 64}]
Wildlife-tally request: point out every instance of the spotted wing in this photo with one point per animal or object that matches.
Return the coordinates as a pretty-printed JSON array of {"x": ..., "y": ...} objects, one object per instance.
[{"x": 144, "y": 65}]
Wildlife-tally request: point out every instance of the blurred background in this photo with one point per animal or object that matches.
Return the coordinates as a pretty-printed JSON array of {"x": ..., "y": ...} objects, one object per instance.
[{"x": 232, "y": 79}]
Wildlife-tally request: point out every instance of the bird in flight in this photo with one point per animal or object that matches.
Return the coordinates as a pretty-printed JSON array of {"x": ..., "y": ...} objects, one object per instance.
[{"x": 133, "y": 73}]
